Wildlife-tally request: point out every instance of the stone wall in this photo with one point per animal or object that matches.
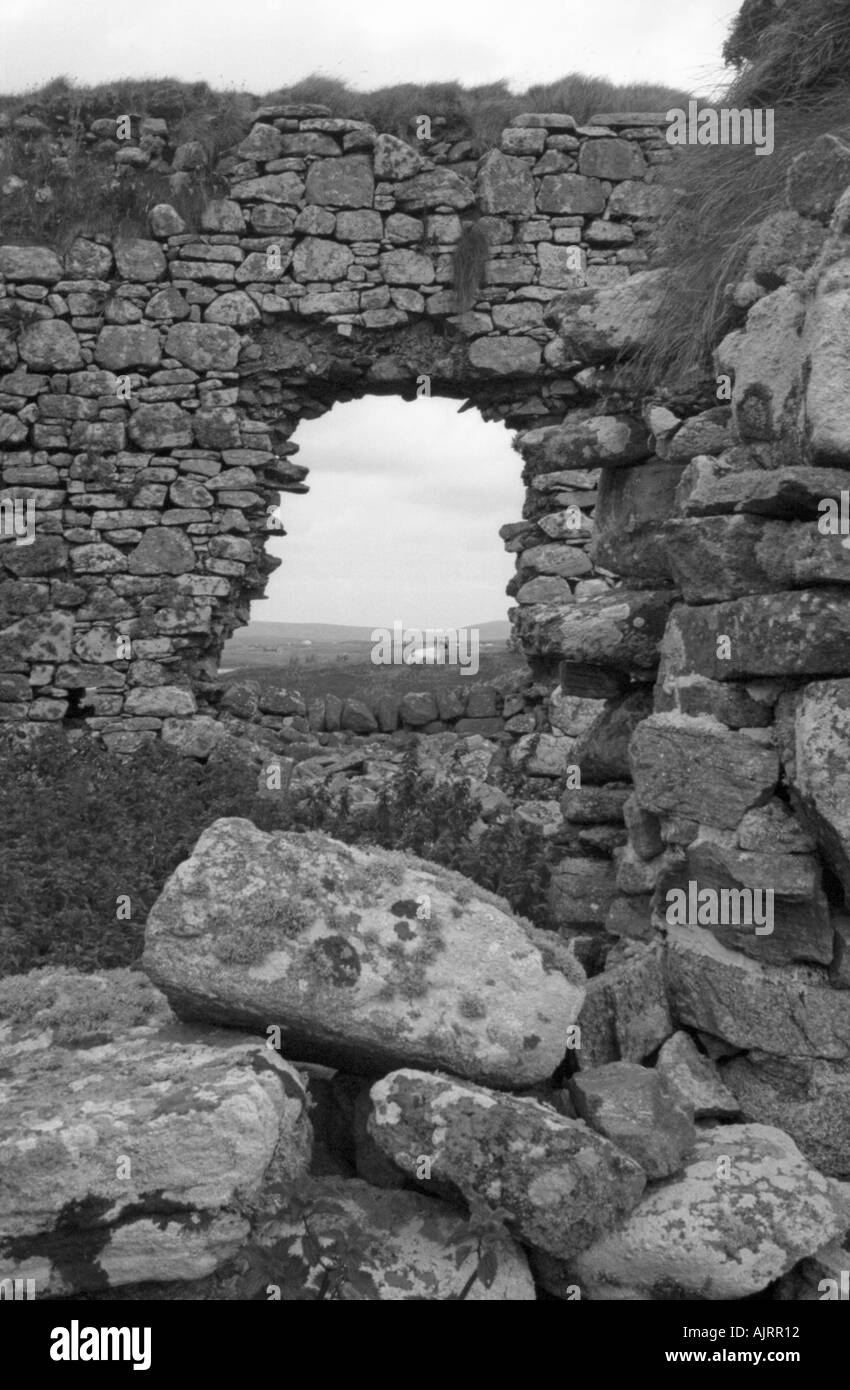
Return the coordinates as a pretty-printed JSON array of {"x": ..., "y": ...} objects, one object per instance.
[
  {"x": 151, "y": 386},
  {"x": 731, "y": 541}
]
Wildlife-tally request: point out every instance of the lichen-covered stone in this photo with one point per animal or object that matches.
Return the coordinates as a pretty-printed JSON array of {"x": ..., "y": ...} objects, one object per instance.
[
  {"x": 364, "y": 957},
  {"x": 134, "y": 1149},
  {"x": 404, "y": 1247},
  {"x": 560, "y": 1183},
  {"x": 721, "y": 1230}
]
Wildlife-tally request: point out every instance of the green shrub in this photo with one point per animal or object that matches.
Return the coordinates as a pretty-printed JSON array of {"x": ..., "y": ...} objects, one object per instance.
[{"x": 80, "y": 828}]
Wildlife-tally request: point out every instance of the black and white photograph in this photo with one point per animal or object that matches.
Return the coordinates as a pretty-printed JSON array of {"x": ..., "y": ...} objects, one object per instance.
[{"x": 424, "y": 672}]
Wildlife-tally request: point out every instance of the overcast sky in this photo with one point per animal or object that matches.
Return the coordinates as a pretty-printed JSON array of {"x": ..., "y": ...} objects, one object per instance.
[{"x": 406, "y": 499}]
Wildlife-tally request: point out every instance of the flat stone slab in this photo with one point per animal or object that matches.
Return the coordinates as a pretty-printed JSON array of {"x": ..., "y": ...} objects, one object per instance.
[
  {"x": 133, "y": 1149},
  {"x": 364, "y": 958},
  {"x": 694, "y": 766},
  {"x": 620, "y": 630},
  {"x": 803, "y": 632}
]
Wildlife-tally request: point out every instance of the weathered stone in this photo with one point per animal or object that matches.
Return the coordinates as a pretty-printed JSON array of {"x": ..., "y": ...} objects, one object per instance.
[
  {"x": 383, "y": 984},
  {"x": 597, "y": 324},
  {"x": 161, "y": 427},
  {"x": 44, "y": 637},
  {"x": 50, "y": 346},
  {"x": 358, "y": 717},
  {"x": 694, "y": 1079},
  {"x": 827, "y": 340},
  {"x": 626, "y": 1015},
  {"x": 272, "y": 188},
  {"x": 695, "y": 767},
  {"x": 517, "y": 356},
  {"x": 162, "y": 550},
  {"x": 632, "y": 199},
  {"x": 774, "y": 828},
  {"x": 30, "y": 263},
  {"x": 265, "y": 142},
  {"x": 609, "y": 440},
  {"x": 808, "y": 1098},
  {"x": 316, "y": 258},
  {"x": 100, "y": 1071},
  {"x": 395, "y": 159},
  {"x": 346, "y": 182},
  {"x": 786, "y": 1011},
  {"x": 570, "y": 193},
  {"x": 683, "y": 1241},
  {"x": 602, "y": 752},
  {"x": 135, "y": 345},
  {"x": 636, "y": 1109},
  {"x": 818, "y": 769},
  {"x": 706, "y": 433},
  {"x": 222, "y": 215},
  {"x": 611, "y": 159},
  {"x": 202, "y": 346},
  {"x": 619, "y": 630},
  {"x": 137, "y": 259},
  {"x": 804, "y": 632},
  {"x": 792, "y": 925},
  {"x": 434, "y": 187},
  {"x": 581, "y": 891},
  {"x": 417, "y": 709},
  {"x": 562, "y": 1184},
  {"x": 163, "y": 701},
  {"x": 411, "y": 1248},
  {"x": 766, "y": 362},
  {"x": 236, "y": 309},
  {"x": 505, "y": 185}
]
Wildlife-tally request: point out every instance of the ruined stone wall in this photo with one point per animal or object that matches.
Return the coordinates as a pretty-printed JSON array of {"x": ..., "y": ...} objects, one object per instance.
[
  {"x": 731, "y": 540},
  {"x": 151, "y": 386}
]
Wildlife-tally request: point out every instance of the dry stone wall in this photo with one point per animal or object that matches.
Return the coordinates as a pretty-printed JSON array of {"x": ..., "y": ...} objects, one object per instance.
[{"x": 150, "y": 386}]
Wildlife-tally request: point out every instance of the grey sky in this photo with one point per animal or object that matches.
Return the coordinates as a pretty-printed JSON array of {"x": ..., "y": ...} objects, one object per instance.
[
  {"x": 262, "y": 44},
  {"x": 402, "y": 518},
  {"x": 406, "y": 500}
]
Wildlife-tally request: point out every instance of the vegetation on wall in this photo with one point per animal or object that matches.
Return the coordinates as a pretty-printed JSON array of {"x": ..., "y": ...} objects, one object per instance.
[{"x": 793, "y": 57}]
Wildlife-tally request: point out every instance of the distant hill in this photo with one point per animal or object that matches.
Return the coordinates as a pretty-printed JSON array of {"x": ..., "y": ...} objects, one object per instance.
[{"x": 262, "y": 633}]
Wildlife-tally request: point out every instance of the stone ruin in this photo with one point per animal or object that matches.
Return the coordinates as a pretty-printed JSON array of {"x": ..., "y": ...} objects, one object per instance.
[{"x": 688, "y": 647}]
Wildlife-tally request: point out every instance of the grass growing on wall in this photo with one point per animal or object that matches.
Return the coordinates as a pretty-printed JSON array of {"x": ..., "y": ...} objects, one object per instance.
[{"x": 795, "y": 59}]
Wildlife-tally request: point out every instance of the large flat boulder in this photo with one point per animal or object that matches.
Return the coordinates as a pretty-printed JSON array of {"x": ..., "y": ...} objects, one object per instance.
[
  {"x": 366, "y": 959},
  {"x": 560, "y": 1182},
  {"x": 133, "y": 1149}
]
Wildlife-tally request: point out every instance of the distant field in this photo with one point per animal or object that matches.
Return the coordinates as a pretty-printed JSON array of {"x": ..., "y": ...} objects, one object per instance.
[
  {"x": 358, "y": 678},
  {"x": 332, "y": 659}
]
